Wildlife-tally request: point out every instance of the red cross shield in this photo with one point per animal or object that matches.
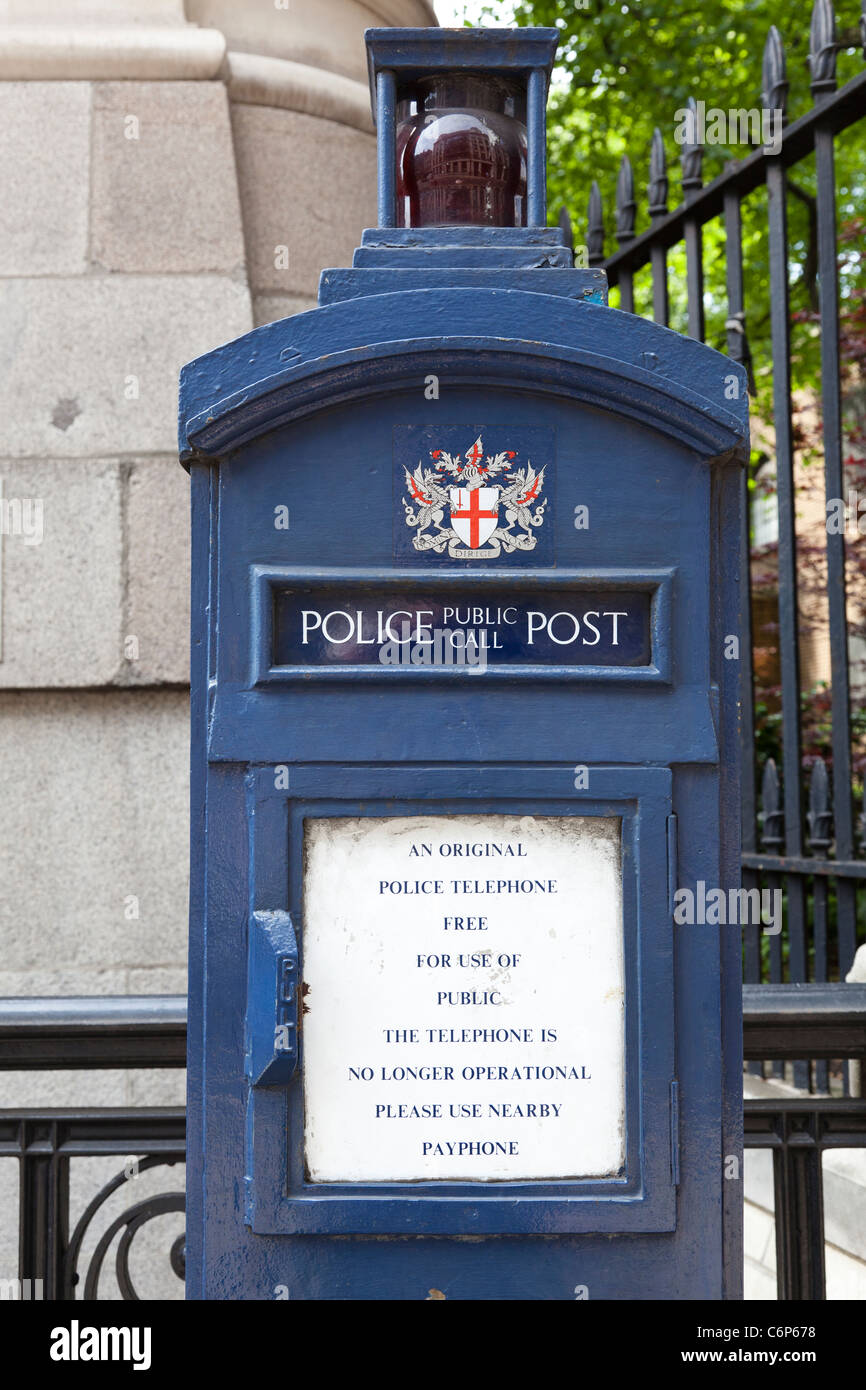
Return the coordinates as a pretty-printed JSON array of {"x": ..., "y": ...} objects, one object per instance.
[{"x": 474, "y": 514}]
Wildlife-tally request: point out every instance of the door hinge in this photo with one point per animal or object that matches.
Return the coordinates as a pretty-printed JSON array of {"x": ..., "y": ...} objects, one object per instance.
[{"x": 675, "y": 1134}]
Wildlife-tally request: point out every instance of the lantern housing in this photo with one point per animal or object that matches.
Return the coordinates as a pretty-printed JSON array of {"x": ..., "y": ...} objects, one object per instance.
[{"x": 461, "y": 125}]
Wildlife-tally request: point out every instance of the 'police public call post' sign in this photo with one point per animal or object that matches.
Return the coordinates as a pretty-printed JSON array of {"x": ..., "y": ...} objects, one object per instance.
[
  {"x": 387, "y": 625},
  {"x": 464, "y": 568}
]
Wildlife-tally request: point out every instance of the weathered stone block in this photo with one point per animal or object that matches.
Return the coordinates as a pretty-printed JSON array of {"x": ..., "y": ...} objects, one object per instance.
[
  {"x": 49, "y": 980},
  {"x": 91, "y": 364},
  {"x": 156, "y": 643},
  {"x": 328, "y": 33},
  {"x": 307, "y": 192},
  {"x": 268, "y": 308},
  {"x": 44, "y": 159},
  {"x": 62, "y": 600},
  {"x": 164, "y": 191},
  {"x": 164, "y": 1087},
  {"x": 50, "y": 1088},
  {"x": 95, "y": 824}
]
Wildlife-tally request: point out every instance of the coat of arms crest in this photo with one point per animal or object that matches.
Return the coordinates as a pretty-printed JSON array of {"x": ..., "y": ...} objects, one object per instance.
[{"x": 485, "y": 517}]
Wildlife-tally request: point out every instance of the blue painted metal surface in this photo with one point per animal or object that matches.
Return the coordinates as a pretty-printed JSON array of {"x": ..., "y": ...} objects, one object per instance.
[
  {"x": 650, "y": 430},
  {"x": 385, "y": 116}
]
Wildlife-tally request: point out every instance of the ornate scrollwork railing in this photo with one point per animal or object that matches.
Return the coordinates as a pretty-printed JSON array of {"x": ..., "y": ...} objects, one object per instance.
[{"x": 130, "y": 1223}]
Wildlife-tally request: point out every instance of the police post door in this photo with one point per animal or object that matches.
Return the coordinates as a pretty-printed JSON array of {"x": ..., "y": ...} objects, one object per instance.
[{"x": 464, "y": 574}]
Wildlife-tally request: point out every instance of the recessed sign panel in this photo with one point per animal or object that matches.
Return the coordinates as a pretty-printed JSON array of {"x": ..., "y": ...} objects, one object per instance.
[
  {"x": 464, "y": 996},
  {"x": 334, "y": 625}
]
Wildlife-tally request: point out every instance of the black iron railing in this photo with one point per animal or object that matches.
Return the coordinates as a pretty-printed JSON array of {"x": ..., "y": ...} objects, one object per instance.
[
  {"x": 803, "y": 1021},
  {"x": 806, "y": 847},
  {"x": 816, "y": 1021},
  {"x": 99, "y": 1033}
]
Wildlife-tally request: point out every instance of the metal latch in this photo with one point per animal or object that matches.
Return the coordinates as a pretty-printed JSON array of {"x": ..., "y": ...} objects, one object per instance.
[{"x": 272, "y": 1000}]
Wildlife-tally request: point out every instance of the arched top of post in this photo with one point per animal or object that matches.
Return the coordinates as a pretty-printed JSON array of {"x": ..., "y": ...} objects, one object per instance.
[{"x": 381, "y": 344}]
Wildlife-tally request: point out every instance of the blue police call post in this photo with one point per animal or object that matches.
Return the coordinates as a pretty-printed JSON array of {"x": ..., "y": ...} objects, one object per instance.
[{"x": 464, "y": 694}]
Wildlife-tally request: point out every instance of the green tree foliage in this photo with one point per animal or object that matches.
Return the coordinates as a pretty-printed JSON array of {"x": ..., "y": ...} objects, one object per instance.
[{"x": 625, "y": 67}]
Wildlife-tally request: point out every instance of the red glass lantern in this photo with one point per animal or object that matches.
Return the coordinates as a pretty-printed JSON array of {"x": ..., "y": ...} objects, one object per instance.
[{"x": 461, "y": 151}]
